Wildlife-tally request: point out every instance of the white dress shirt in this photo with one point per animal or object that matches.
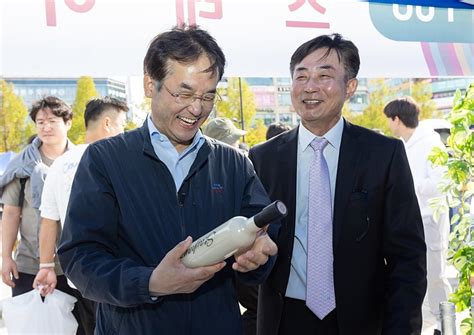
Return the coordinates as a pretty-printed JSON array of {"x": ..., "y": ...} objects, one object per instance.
[{"x": 297, "y": 281}]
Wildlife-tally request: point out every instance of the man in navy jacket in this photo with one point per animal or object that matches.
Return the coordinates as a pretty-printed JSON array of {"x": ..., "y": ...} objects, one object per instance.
[{"x": 138, "y": 198}]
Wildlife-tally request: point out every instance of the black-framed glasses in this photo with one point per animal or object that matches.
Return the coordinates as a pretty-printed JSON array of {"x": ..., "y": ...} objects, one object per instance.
[{"x": 207, "y": 99}]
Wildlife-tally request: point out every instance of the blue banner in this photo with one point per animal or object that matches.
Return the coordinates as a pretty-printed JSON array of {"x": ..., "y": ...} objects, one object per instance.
[{"x": 467, "y": 4}]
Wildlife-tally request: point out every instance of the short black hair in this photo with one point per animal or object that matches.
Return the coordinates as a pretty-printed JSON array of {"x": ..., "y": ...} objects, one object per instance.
[
  {"x": 406, "y": 109},
  {"x": 95, "y": 107},
  {"x": 184, "y": 44},
  {"x": 57, "y": 106},
  {"x": 347, "y": 53},
  {"x": 275, "y": 129}
]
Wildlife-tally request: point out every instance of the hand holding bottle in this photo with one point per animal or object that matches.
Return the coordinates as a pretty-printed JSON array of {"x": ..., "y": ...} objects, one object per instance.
[
  {"x": 172, "y": 277},
  {"x": 257, "y": 255},
  {"x": 234, "y": 235}
]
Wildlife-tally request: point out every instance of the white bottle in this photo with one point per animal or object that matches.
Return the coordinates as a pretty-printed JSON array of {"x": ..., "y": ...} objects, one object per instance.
[{"x": 237, "y": 233}]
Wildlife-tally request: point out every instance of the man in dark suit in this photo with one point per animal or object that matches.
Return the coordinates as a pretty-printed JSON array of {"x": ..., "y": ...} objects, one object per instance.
[{"x": 368, "y": 264}]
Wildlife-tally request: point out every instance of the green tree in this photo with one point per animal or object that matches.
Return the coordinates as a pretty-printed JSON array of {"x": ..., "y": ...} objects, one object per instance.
[
  {"x": 145, "y": 105},
  {"x": 15, "y": 124},
  {"x": 130, "y": 125},
  {"x": 84, "y": 92},
  {"x": 459, "y": 189},
  {"x": 422, "y": 93},
  {"x": 229, "y": 106},
  {"x": 372, "y": 116},
  {"x": 256, "y": 134},
  {"x": 347, "y": 112}
]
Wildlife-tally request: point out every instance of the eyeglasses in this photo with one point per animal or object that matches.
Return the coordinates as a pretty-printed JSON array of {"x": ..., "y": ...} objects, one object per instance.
[
  {"x": 53, "y": 123},
  {"x": 207, "y": 100}
]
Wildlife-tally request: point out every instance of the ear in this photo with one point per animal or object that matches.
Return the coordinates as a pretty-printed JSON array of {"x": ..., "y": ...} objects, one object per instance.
[
  {"x": 351, "y": 87},
  {"x": 68, "y": 124},
  {"x": 106, "y": 124},
  {"x": 397, "y": 120},
  {"x": 148, "y": 85}
]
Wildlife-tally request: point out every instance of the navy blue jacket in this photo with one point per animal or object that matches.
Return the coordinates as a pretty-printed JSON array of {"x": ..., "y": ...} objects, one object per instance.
[{"x": 124, "y": 215}]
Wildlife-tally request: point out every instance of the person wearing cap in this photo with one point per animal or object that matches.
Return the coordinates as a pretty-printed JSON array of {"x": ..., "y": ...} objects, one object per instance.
[{"x": 224, "y": 130}]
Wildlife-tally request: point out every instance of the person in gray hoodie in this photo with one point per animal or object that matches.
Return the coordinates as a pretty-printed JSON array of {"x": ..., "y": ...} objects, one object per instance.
[{"x": 21, "y": 186}]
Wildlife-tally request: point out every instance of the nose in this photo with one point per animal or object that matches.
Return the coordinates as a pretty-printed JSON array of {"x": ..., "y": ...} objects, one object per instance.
[
  {"x": 195, "y": 107},
  {"x": 47, "y": 126},
  {"x": 312, "y": 85},
  {"x": 309, "y": 89}
]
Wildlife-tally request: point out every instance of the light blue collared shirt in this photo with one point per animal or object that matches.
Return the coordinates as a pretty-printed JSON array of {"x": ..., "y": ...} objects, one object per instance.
[
  {"x": 177, "y": 163},
  {"x": 297, "y": 281}
]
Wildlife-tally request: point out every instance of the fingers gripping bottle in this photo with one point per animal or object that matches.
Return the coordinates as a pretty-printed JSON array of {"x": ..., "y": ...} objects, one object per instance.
[{"x": 236, "y": 233}]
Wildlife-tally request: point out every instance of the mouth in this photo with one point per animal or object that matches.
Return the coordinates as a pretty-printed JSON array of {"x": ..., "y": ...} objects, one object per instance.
[
  {"x": 187, "y": 120},
  {"x": 312, "y": 101}
]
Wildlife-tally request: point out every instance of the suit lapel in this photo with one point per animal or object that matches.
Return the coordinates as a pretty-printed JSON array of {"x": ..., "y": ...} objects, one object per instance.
[
  {"x": 348, "y": 165},
  {"x": 287, "y": 160}
]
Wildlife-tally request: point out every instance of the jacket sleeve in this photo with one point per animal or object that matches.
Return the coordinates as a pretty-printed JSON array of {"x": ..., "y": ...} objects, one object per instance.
[
  {"x": 404, "y": 250},
  {"x": 88, "y": 251},
  {"x": 254, "y": 199}
]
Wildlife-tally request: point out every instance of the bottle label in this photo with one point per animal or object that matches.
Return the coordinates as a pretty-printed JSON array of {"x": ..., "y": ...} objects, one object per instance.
[{"x": 204, "y": 241}]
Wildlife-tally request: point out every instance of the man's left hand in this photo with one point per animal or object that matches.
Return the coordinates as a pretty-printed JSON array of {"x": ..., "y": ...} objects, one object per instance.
[{"x": 257, "y": 255}]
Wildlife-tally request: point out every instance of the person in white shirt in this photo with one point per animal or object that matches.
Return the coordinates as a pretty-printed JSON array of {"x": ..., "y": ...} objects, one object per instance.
[
  {"x": 104, "y": 117},
  {"x": 419, "y": 140}
]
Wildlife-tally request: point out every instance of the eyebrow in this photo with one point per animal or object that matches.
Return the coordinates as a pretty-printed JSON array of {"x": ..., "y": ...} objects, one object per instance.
[
  {"x": 189, "y": 88},
  {"x": 322, "y": 67},
  {"x": 47, "y": 118},
  {"x": 301, "y": 68},
  {"x": 327, "y": 67}
]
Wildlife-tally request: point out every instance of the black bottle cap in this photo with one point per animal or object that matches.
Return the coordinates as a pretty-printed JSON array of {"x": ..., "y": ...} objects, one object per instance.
[{"x": 276, "y": 210}]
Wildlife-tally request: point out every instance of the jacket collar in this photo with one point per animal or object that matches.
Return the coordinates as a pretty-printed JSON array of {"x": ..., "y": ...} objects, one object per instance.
[{"x": 148, "y": 149}]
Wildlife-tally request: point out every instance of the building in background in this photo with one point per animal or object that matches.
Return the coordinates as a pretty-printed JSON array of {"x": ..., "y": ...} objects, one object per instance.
[
  {"x": 272, "y": 95},
  {"x": 273, "y": 100},
  {"x": 360, "y": 100},
  {"x": 444, "y": 88},
  {"x": 32, "y": 89}
]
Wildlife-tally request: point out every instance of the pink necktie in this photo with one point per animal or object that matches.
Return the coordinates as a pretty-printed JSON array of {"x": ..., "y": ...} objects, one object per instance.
[{"x": 319, "y": 269}]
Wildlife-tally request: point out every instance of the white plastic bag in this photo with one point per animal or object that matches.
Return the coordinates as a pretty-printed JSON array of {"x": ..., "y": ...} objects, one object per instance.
[{"x": 28, "y": 314}]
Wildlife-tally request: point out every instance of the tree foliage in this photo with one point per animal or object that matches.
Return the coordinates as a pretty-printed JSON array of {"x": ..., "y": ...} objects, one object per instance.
[
  {"x": 257, "y": 134},
  {"x": 15, "y": 124},
  {"x": 346, "y": 111},
  {"x": 145, "y": 105},
  {"x": 372, "y": 116},
  {"x": 84, "y": 92},
  {"x": 380, "y": 93},
  {"x": 459, "y": 189},
  {"x": 422, "y": 93},
  {"x": 229, "y": 106},
  {"x": 130, "y": 125}
]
